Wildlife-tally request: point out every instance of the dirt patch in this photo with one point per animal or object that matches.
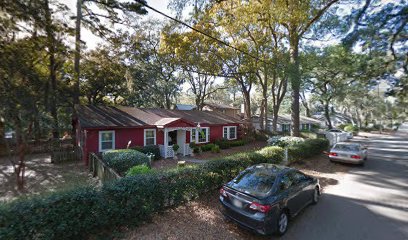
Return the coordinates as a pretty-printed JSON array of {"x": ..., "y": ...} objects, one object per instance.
[
  {"x": 201, "y": 219},
  {"x": 42, "y": 176},
  {"x": 320, "y": 167}
]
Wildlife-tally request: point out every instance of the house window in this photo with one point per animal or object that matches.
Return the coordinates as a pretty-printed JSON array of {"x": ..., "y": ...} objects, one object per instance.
[
  {"x": 230, "y": 132},
  {"x": 193, "y": 135},
  {"x": 203, "y": 135},
  {"x": 149, "y": 137},
  {"x": 285, "y": 127},
  {"x": 106, "y": 140},
  {"x": 305, "y": 126}
]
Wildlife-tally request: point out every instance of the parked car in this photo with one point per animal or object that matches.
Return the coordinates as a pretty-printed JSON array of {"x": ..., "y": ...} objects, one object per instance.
[
  {"x": 334, "y": 130},
  {"x": 263, "y": 197},
  {"x": 348, "y": 153}
]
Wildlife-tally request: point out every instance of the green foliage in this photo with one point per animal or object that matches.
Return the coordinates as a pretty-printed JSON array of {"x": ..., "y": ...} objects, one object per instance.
[
  {"x": 222, "y": 143},
  {"x": 237, "y": 143},
  {"x": 176, "y": 147},
  {"x": 138, "y": 169},
  {"x": 225, "y": 144},
  {"x": 272, "y": 153},
  {"x": 207, "y": 147},
  {"x": 149, "y": 150},
  {"x": 306, "y": 149},
  {"x": 123, "y": 159},
  {"x": 284, "y": 141},
  {"x": 132, "y": 200},
  {"x": 215, "y": 148},
  {"x": 192, "y": 145},
  {"x": 351, "y": 128}
]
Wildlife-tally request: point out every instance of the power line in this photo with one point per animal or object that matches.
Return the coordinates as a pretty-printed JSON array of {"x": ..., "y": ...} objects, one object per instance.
[{"x": 201, "y": 32}]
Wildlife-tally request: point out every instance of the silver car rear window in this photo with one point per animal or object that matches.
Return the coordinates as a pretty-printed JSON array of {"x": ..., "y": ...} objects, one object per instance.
[{"x": 347, "y": 148}]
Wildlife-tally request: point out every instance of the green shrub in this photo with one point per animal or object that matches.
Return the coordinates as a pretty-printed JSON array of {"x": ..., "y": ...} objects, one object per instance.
[
  {"x": 207, "y": 147},
  {"x": 215, "y": 149},
  {"x": 122, "y": 160},
  {"x": 176, "y": 147},
  {"x": 351, "y": 128},
  {"x": 308, "y": 148},
  {"x": 237, "y": 143},
  {"x": 274, "y": 154},
  {"x": 138, "y": 169},
  {"x": 286, "y": 141},
  {"x": 222, "y": 143},
  {"x": 197, "y": 149},
  {"x": 151, "y": 149},
  {"x": 132, "y": 200}
]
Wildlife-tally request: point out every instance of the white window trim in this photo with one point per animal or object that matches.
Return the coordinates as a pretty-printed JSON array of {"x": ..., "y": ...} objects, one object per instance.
[
  {"x": 100, "y": 140},
  {"x": 228, "y": 132},
  {"x": 207, "y": 137},
  {"x": 144, "y": 136}
]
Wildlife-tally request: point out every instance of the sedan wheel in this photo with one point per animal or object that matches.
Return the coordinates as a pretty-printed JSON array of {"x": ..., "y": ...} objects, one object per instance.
[
  {"x": 315, "y": 196},
  {"x": 282, "y": 223}
]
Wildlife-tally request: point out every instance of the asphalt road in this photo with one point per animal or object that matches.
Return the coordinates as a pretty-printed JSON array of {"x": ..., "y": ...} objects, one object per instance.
[{"x": 370, "y": 203}]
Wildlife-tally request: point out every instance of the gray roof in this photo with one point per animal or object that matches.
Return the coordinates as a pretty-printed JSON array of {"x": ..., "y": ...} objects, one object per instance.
[{"x": 119, "y": 116}]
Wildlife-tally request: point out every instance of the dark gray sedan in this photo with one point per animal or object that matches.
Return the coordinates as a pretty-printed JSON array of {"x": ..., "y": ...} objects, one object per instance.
[{"x": 263, "y": 197}]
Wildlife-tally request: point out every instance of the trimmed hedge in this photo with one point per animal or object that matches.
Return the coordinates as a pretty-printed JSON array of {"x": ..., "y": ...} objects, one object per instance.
[
  {"x": 207, "y": 147},
  {"x": 76, "y": 214},
  {"x": 138, "y": 169},
  {"x": 308, "y": 148},
  {"x": 123, "y": 159},
  {"x": 272, "y": 153},
  {"x": 225, "y": 144},
  {"x": 152, "y": 149},
  {"x": 131, "y": 200}
]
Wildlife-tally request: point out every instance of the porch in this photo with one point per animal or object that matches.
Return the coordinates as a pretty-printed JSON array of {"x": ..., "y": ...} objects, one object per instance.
[{"x": 179, "y": 136}]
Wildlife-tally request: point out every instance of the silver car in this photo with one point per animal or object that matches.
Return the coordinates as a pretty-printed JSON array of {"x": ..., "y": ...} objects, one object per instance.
[{"x": 348, "y": 153}]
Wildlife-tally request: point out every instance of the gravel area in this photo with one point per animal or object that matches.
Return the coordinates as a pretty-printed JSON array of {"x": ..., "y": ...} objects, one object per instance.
[{"x": 201, "y": 219}]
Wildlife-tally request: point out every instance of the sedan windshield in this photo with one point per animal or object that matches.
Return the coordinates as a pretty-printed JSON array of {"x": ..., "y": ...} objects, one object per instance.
[
  {"x": 347, "y": 148},
  {"x": 257, "y": 181}
]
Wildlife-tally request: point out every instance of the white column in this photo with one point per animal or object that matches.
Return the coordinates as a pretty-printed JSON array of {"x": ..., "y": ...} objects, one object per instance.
[{"x": 166, "y": 142}]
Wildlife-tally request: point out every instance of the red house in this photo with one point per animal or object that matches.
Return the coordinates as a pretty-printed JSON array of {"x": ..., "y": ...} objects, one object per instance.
[{"x": 102, "y": 128}]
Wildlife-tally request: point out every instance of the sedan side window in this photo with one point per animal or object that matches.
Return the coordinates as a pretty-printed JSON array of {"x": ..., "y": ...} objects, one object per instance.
[
  {"x": 285, "y": 183},
  {"x": 298, "y": 177}
]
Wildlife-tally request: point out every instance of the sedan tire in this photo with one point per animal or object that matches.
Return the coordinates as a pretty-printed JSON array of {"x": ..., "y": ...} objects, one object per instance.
[
  {"x": 283, "y": 222},
  {"x": 316, "y": 195}
]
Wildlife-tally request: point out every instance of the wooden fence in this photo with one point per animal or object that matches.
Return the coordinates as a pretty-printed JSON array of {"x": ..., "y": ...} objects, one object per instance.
[
  {"x": 101, "y": 170},
  {"x": 66, "y": 154}
]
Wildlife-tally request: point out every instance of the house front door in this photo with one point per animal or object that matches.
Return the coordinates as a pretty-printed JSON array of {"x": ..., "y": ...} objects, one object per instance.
[{"x": 181, "y": 140}]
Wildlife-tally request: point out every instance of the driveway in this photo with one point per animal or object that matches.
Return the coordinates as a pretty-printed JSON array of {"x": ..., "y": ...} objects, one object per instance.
[{"x": 371, "y": 202}]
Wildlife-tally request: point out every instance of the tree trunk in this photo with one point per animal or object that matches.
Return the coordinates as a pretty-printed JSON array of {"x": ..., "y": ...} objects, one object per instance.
[
  {"x": 52, "y": 69},
  {"x": 275, "y": 118},
  {"x": 327, "y": 114},
  {"x": 295, "y": 83},
  {"x": 77, "y": 51},
  {"x": 261, "y": 116}
]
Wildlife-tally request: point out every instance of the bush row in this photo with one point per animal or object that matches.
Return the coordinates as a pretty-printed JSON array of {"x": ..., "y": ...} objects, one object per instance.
[
  {"x": 128, "y": 201},
  {"x": 153, "y": 149},
  {"x": 307, "y": 148},
  {"x": 123, "y": 159},
  {"x": 225, "y": 144},
  {"x": 78, "y": 213}
]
